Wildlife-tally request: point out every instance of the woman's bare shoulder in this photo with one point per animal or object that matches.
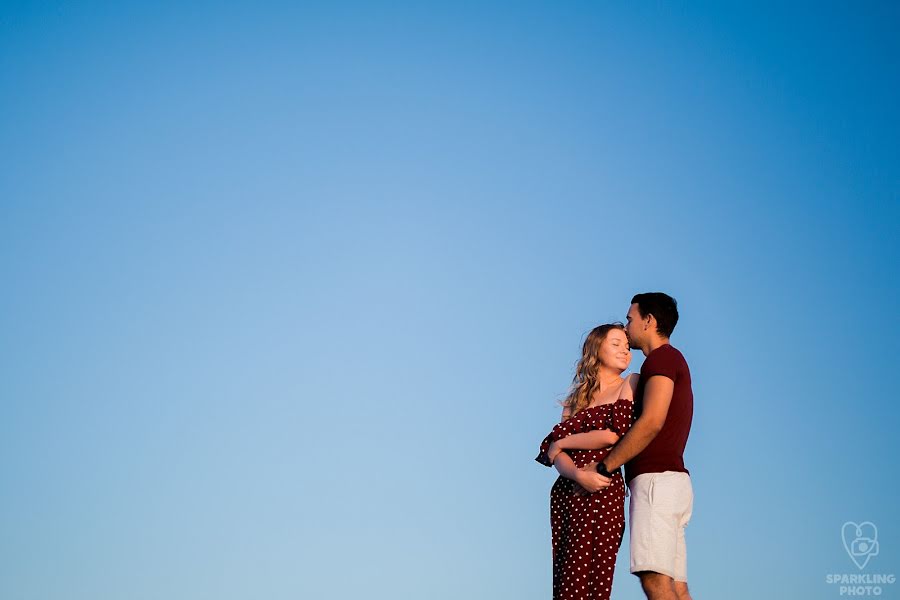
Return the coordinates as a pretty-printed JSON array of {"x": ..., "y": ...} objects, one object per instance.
[{"x": 631, "y": 382}]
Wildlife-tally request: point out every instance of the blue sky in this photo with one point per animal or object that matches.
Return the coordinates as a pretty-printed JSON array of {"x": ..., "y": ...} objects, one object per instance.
[{"x": 291, "y": 290}]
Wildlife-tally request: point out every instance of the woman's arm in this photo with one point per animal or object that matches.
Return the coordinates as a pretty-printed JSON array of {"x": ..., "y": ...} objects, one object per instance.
[
  {"x": 591, "y": 481},
  {"x": 565, "y": 465},
  {"x": 591, "y": 440}
]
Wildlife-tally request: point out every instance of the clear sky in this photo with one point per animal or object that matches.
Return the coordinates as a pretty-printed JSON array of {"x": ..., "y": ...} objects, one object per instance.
[{"x": 290, "y": 291}]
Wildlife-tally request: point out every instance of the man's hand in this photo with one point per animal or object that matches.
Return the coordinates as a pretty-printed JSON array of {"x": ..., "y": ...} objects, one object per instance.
[{"x": 590, "y": 480}]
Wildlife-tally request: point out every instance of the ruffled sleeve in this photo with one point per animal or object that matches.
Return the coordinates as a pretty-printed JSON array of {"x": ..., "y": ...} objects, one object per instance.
[
  {"x": 621, "y": 417},
  {"x": 564, "y": 429},
  {"x": 542, "y": 456}
]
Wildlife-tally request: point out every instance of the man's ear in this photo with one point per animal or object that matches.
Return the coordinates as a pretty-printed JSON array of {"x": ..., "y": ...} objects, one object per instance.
[{"x": 650, "y": 321}]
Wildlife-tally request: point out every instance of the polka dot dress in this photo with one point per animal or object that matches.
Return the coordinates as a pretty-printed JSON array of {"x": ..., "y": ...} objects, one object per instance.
[{"x": 587, "y": 530}]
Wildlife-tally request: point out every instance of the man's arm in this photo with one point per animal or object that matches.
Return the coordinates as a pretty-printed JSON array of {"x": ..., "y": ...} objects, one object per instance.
[{"x": 657, "y": 397}]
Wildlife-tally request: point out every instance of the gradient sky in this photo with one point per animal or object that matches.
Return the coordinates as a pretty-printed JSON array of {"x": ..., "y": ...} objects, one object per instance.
[{"x": 291, "y": 290}]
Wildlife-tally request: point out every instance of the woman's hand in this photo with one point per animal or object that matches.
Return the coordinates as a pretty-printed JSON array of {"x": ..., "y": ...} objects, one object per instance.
[
  {"x": 553, "y": 451},
  {"x": 590, "y": 480}
]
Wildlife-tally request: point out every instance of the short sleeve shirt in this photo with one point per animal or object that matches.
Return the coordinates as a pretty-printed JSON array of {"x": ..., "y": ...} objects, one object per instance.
[{"x": 666, "y": 451}]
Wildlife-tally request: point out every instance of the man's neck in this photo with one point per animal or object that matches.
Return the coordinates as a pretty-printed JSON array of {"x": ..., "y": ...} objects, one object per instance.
[{"x": 654, "y": 344}]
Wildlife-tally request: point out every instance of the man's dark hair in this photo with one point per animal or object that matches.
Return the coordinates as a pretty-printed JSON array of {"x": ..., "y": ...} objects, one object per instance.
[{"x": 662, "y": 306}]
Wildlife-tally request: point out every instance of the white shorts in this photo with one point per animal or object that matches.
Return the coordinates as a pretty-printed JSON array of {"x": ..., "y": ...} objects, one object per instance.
[{"x": 661, "y": 505}]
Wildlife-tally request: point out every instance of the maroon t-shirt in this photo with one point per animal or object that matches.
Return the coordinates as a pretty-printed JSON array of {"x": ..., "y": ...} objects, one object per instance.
[{"x": 666, "y": 451}]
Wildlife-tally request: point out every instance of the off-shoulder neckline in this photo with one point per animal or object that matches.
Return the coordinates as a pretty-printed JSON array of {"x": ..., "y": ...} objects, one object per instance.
[{"x": 608, "y": 403}]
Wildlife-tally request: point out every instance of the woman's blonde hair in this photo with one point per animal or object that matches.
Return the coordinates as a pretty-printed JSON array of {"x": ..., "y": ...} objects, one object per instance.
[{"x": 587, "y": 371}]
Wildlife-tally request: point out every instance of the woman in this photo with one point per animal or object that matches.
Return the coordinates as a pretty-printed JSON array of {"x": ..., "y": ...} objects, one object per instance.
[{"x": 587, "y": 524}]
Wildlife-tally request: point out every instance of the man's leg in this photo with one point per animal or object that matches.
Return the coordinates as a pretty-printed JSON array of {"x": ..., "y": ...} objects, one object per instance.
[
  {"x": 682, "y": 590},
  {"x": 681, "y": 587},
  {"x": 658, "y": 586}
]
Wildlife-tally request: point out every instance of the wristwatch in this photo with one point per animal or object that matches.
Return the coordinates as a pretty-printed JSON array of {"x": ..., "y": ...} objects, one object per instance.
[{"x": 601, "y": 468}]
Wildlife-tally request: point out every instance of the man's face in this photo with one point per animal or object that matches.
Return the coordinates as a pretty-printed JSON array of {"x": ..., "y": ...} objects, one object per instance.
[{"x": 635, "y": 326}]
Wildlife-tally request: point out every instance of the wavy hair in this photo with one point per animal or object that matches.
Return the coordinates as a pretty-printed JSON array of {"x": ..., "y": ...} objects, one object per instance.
[{"x": 587, "y": 370}]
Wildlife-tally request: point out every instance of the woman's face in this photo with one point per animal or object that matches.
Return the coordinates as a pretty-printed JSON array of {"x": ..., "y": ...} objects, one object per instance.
[{"x": 614, "y": 351}]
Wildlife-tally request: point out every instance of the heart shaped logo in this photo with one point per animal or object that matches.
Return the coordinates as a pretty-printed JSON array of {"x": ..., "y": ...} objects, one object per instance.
[{"x": 860, "y": 541}]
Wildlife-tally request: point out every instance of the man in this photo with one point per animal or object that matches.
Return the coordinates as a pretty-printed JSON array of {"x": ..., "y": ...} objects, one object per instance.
[{"x": 653, "y": 451}]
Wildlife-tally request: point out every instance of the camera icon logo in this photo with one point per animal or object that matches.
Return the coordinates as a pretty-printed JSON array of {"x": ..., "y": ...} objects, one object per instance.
[{"x": 860, "y": 541}]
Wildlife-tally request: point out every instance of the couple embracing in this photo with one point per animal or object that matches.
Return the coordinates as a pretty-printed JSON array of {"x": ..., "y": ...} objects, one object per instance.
[{"x": 641, "y": 422}]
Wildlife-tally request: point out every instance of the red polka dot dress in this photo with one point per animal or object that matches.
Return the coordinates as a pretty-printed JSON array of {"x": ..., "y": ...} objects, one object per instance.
[{"x": 587, "y": 530}]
